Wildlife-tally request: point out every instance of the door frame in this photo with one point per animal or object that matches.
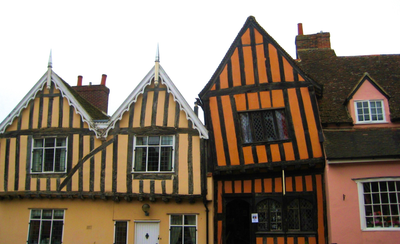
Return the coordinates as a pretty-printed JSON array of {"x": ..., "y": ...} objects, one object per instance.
[{"x": 145, "y": 221}]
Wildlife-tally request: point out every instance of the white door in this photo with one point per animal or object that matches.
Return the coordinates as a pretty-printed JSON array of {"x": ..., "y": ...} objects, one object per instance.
[{"x": 146, "y": 232}]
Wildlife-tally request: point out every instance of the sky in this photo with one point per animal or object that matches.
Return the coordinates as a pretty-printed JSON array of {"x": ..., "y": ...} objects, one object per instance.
[{"x": 119, "y": 38}]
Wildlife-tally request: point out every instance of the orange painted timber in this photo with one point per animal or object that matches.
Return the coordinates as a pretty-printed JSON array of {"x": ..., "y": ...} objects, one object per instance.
[
  {"x": 261, "y": 154},
  {"x": 281, "y": 240},
  {"x": 223, "y": 78},
  {"x": 298, "y": 124},
  {"x": 219, "y": 200},
  {"x": 257, "y": 186},
  {"x": 238, "y": 186},
  {"x": 312, "y": 240},
  {"x": 259, "y": 240},
  {"x": 265, "y": 99},
  {"x": 321, "y": 227},
  {"x": 217, "y": 132},
  {"x": 299, "y": 183},
  {"x": 248, "y": 65},
  {"x": 273, "y": 59},
  {"x": 268, "y": 185},
  {"x": 288, "y": 184},
  {"x": 253, "y": 101},
  {"x": 270, "y": 240},
  {"x": 309, "y": 186},
  {"x": 290, "y": 240},
  {"x": 236, "y": 77},
  {"x": 301, "y": 240},
  {"x": 301, "y": 78},
  {"x": 230, "y": 130},
  {"x": 276, "y": 156},
  {"x": 240, "y": 100},
  {"x": 262, "y": 70},
  {"x": 247, "y": 186},
  {"x": 228, "y": 186},
  {"x": 213, "y": 88},
  {"x": 289, "y": 153},
  {"x": 312, "y": 126},
  {"x": 246, "y": 38},
  {"x": 277, "y": 99},
  {"x": 288, "y": 70},
  {"x": 278, "y": 184},
  {"x": 248, "y": 155}
]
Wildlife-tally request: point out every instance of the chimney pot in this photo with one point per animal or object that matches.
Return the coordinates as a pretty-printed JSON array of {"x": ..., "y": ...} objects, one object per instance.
[
  {"x": 80, "y": 80},
  {"x": 103, "y": 79},
  {"x": 300, "y": 28}
]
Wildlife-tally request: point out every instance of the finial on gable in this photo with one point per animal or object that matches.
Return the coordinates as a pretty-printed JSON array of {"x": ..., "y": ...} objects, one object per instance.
[
  {"x": 49, "y": 66},
  {"x": 157, "y": 67}
]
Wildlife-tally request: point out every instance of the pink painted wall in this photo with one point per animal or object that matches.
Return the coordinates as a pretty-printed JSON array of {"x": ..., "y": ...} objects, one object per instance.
[
  {"x": 343, "y": 206},
  {"x": 368, "y": 92}
]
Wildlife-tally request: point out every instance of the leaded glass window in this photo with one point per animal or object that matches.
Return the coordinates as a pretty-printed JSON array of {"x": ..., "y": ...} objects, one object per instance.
[
  {"x": 262, "y": 126},
  {"x": 46, "y": 226},
  {"x": 153, "y": 153},
  {"x": 49, "y": 155},
  {"x": 183, "y": 229}
]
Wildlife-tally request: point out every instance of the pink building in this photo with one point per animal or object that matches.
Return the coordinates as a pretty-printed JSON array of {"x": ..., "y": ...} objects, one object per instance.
[{"x": 360, "y": 115}]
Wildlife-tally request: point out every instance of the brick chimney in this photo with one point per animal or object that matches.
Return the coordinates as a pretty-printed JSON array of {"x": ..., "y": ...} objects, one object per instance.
[
  {"x": 97, "y": 95},
  {"x": 320, "y": 40}
]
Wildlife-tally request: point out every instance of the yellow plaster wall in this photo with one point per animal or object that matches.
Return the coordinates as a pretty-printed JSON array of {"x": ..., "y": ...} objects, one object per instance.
[{"x": 92, "y": 222}]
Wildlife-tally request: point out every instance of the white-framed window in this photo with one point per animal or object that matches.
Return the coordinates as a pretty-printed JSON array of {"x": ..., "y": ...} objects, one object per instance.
[
  {"x": 263, "y": 126},
  {"x": 46, "y": 226},
  {"x": 183, "y": 229},
  {"x": 370, "y": 111},
  {"x": 154, "y": 153},
  {"x": 120, "y": 232},
  {"x": 49, "y": 155},
  {"x": 379, "y": 201}
]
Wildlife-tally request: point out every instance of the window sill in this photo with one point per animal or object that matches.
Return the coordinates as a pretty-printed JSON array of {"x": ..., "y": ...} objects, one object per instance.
[
  {"x": 382, "y": 229},
  {"x": 48, "y": 175},
  {"x": 151, "y": 176},
  {"x": 371, "y": 122}
]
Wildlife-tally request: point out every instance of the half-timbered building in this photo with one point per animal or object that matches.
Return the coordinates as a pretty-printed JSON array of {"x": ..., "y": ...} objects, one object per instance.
[
  {"x": 265, "y": 145},
  {"x": 69, "y": 173},
  {"x": 360, "y": 116}
]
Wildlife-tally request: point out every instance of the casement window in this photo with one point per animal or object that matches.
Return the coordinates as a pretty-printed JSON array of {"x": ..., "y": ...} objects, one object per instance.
[
  {"x": 379, "y": 201},
  {"x": 49, "y": 155},
  {"x": 121, "y": 232},
  {"x": 183, "y": 229},
  {"x": 370, "y": 111},
  {"x": 263, "y": 126},
  {"x": 154, "y": 153},
  {"x": 46, "y": 226},
  {"x": 287, "y": 215}
]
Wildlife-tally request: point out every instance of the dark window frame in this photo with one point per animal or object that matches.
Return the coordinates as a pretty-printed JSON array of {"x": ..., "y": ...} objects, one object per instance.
[
  {"x": 285, "y": 202},
  {"x": 264, "y": 126},
  {"x": 121, "y": 232}
]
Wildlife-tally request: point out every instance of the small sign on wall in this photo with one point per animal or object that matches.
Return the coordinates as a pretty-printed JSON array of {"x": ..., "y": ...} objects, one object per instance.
[{"x": 254, "y": 218}]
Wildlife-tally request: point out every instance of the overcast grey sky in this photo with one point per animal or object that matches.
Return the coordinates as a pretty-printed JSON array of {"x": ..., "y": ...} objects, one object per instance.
[{"x": 119, "y": 38}]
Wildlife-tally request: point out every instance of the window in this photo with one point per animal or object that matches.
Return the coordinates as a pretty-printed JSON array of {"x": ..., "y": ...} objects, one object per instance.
[
  {"x": 370, "y": 111},
  {"x": 379, "y": 204},
  {"x": 154, "y": 153},
  {"x": 121, "y": 232},
  {"x": 49, "y": 155},
  {"x": 298, "y": 213},
  {"x": 46, "y": 226},
  {"x": 183, "y": 229},
  {"x": 262, "y": 126}
]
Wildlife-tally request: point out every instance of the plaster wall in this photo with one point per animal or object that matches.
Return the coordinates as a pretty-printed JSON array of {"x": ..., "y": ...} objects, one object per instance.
[
  {"x": 343, "y": 203},
  {"x": 92, "y": 222}
]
